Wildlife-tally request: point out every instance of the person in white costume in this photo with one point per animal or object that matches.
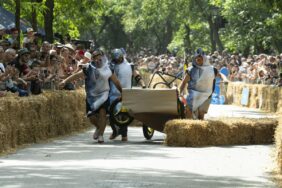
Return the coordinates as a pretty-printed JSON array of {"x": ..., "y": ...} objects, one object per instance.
[
  {"x": 201, "y": 82},
  {"x": 97, "y": 75}
]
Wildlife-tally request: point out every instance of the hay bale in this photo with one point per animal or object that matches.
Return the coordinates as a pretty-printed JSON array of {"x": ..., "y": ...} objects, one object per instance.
[
  {"x": 145, "y": 76},
  {"x": 279, "y": 106},
  {"x": 264, "y": 97},
  {"x": 234, "y": 93},
  {"x": 231, "y": 131},
  {"x": 255, "y": 95},
  {"x": 32, "y": 119},
  {"x": 270, "y": 98},
  {"x": 278, "y": 146}
]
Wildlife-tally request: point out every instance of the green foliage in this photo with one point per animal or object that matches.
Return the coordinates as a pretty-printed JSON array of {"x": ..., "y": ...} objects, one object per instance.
[{"x": 240, "y": 25}]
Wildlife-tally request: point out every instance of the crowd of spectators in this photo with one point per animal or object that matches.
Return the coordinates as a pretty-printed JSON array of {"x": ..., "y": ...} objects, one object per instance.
[
  {"x": 254, "y": 69},
  {"x": 30, "y": 66}
]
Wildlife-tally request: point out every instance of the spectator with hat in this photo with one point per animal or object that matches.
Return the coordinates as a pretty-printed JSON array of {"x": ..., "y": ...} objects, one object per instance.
[
  {"x": 8, "y": 56},
  {"x": 9, "y": 77},
  {"x": 44, "y": 55},
  {"x": 13, "y": 39},
  {"x": 79, "y": 55},
  {"x": 21, "y": 61},
  {"x": 5, "y": 44},
  {"x": 29, "y": 38},
  {"x": 70, "y": 47}
]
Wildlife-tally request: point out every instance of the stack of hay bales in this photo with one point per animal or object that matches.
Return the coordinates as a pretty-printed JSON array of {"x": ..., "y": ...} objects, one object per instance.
[
  {"x": 31, "y": 119},
  {"x": 234, "y": 93},
  {"x": 231, "y": 131},
  {"x": 278, "y": 145},
  {"x": 145, "y": 76},
  {"x": 264, "y": 97},
  {"x": 279, "y": 106}
]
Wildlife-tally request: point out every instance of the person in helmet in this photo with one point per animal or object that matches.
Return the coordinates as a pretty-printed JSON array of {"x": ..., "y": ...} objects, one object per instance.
[
  {"x": 201, "y": 81},
  {"x": 124, "y": 72},
  {"x": 97, "y": 75}
]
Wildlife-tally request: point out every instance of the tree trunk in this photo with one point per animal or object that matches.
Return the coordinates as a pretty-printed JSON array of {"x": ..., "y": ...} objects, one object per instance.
[
  {"x": 217, "y": 40},
  {"x": 216, "y": 34},
  {"x": 18, "y": 16},
  {"x": 246, "y": 51},
  {"x": 48, "y": 20},
  {"x": 167, "y": 35},
  {"x": 258, "y": 46},
  {"x": 213, "y": 42},
  {"x": 159, "y": 48},
  {"x": 34, "y": 17},
  {"x": 187, "y": 39},
  {"x": 277, "y": 44}
]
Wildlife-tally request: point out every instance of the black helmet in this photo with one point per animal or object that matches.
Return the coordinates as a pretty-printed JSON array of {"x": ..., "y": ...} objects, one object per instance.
[
  {"x": 116, "y": 54},
  {"x": 199, "y": 52}
]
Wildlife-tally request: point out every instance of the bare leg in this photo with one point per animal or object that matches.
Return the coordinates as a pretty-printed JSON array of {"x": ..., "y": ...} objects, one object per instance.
[
  {"x": 188, "y": 112},
  {"x": 203, "y": 109},
  {"x": 94, "y": 121},
  {"x": 102, "y": 121},
  {"x": 201, "y": 115}
]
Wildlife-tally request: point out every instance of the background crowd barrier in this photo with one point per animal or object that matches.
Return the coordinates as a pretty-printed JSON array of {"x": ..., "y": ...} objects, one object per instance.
[
  {"x": 278, "y": 146},
  {"x": 264, "y": 97}
]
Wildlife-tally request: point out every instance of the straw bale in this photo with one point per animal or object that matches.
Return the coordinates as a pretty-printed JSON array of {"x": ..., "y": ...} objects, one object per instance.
[
  {"x": 264, "y": 97},
  {"x": 32, "y": 119},
  {"x": 231, "y": 131},
  {"x": 279, "y": 106},
  {"x": 278, "y": 145},
  {"x": 255, "y": 95},
  {"x": 145, "y": 76}
]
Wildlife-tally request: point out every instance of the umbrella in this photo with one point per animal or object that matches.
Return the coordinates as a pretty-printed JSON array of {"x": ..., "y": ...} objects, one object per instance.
[{"x": 7, "y": 19}]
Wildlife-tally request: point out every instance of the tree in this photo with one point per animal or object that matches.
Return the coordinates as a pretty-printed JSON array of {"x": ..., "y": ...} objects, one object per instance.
[
  {"x": 246, "y": 30},
  {"x": 161, "y": 24},
  {"x": 48, "y": 20},
  {"x": 18, "y": 16}
]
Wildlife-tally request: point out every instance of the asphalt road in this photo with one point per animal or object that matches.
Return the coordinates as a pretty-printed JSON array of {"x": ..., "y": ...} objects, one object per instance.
[{"x": 77, "y": 161}]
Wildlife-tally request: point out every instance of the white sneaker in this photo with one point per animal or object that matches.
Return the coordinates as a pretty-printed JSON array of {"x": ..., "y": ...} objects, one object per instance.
[
  {"x": 100, "y": 139},
  {"x": 96, "y": 134}
]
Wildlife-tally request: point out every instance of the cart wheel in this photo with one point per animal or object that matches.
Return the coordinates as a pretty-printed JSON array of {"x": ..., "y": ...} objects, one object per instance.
[
  {"x": 118, "y": 116},
  {"x": 180, "y": 109},
  {"x": 160, "y": 85},
  {"x": 148, "y": 132}
]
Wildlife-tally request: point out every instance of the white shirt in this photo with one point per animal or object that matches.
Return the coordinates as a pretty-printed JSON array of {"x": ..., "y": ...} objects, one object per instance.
[
  {"x": 27, "y": 40},
  {"x": 123, "y": 72},
  {"x": 2, "y": 68}
]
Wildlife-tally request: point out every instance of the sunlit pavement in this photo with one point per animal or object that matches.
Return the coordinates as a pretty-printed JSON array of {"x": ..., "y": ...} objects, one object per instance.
[{"x": 77, "y": 161}]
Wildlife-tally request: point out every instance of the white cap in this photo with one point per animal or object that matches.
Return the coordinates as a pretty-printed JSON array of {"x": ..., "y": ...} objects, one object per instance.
[
  {"x": 69, "y": 46},
  {"x": 29, "y": 30},
  {"x": 52, "y": 52},
  {"x": 245, "y": 64},
  {"x": 2, "y": 27},
  {"x": 87, "y": 55}
]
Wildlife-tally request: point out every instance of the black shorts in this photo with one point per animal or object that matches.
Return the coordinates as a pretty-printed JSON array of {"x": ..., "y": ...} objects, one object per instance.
[{"x": 88, "y": 108}]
